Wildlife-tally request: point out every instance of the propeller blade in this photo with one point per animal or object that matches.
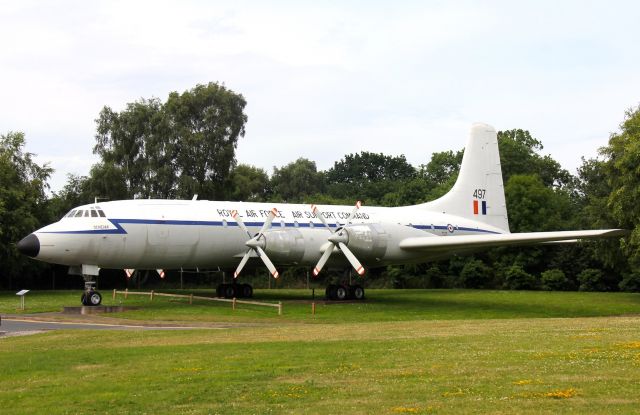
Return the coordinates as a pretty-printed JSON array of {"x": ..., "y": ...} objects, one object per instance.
[
  {"x": 238, "y": 219},
  {"x": 129, "y": 272},
  {"x": 267, "y": 262},
  {"x": 323, "y": 260},
  {"x": 353, "y": 212},
  {"x": 352, "y": 259},
  {"x": 267, "y": 223},
  {"x": 160, "y": 272},
  {"x": 317, "y": 212},
  {"x": 243, "y": 262}
]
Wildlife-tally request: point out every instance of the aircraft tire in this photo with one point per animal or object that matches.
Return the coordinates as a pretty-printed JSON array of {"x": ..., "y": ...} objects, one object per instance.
[
  {"x": 246, "y": 291},
  {"x": 357, "y": 292},
  {"x": 330, "y": 292},
  {"x": 94, "y": 298},
  {"x": 341, "y": 293},
  {"x": 229, "y": 291}
]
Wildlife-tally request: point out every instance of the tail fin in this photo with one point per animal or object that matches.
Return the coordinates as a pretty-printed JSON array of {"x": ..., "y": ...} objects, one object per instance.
[{"x": 478, "y": 193}]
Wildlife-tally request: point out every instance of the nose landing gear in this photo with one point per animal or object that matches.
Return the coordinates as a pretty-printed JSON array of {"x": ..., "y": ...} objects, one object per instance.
[{"x": 90, "y": 297}]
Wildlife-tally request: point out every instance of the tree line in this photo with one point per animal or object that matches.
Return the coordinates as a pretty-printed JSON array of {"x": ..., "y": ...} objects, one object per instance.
[{"x": 186, "y": 145}]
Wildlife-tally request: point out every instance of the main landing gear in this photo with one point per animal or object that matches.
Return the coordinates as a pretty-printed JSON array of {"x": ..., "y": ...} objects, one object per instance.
[
  {"x": 90, "y": 297},
  {"x": 234, "y": 291},
  {"x": 341, "y": 292}
]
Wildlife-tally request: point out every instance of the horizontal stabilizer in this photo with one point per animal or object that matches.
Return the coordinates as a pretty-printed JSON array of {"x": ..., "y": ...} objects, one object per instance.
[{"x": 431, "y": 244}]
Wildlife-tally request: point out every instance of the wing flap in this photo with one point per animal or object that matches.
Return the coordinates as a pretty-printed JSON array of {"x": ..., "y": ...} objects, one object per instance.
[{"x": 445, "y": 243}]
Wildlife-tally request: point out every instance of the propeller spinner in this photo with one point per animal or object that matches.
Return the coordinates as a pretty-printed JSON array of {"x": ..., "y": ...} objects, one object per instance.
[
  {"x": 339, "y": 239},
  {"x": 256, "y": 243}
]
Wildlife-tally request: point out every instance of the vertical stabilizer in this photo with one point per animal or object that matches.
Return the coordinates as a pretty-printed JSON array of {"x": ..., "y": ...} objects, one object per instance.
[{"x": 478, "y": 193}]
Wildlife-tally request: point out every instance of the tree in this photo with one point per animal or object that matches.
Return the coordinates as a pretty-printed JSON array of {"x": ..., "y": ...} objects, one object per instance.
[
  {"x": 174, "y": 149},
  {"x": 532, "y": 206},
  {"x": 442, "y": 167},
  {"x": 554, "y": 280},
  {"x": 249, "y": 183},
  {"x": 519, "y": 155},
  {"x": 622, "y": 160},
  {"x": 368, "y": 176},
  {"x": 23, "y": 205},
  {"x": 517, "y": 278},
  {"x": 592, "y": 280},
  {"x": 297, "y": 180},
  {"x": 475, "y": 274}
]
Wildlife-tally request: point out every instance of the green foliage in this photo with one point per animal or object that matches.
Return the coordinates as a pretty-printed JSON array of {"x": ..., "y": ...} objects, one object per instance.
[
  {"x": 368, "y": 176},
  {"x": 249, "y": 183},
  {"x": 294, "y": 182},
  {"x": 630, "y": 282},
  {"x": 519, "y": 155},
  {"x": 516, "y": 278},
  {"x": 475, "y": 274},
  {"x": 23, "y": 204},
  {"x": 592, "y": 280},
  {"x": 554, "y": 280},
  {"x": 532, "y": 206},
  {"x": 442, "y": 167},
  {"x": 176, "y": 149},
  {"x": 623, "y": 174}
]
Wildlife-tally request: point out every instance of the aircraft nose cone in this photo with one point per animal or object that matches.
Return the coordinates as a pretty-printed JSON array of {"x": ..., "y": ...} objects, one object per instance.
[{"x": 29, "y": 245}]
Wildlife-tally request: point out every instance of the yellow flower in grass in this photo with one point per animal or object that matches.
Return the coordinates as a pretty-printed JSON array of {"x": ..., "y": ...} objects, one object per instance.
[
  {"x": 562, "y": 394},
  {"x": 405, "y": 410}
]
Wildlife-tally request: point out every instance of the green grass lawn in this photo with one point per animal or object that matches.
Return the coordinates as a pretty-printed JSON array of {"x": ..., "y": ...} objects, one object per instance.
[
  {"x": 381, "y": 305},
  {"x": 423, "y": 351},
  {"x": 581, "y": 365}
]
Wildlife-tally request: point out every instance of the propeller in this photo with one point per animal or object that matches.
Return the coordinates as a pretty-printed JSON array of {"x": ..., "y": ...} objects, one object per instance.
[
  {"x": 256, "y": 243},
  {"x": 339, "y": 239}
]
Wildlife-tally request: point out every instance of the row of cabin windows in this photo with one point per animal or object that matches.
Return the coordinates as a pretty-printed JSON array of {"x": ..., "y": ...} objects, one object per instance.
[
  {"x": 86, "y": 213},
  {"x": 282, "y": 224}
]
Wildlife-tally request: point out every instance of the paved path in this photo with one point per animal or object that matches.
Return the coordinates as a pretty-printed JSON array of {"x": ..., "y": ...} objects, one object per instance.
[{"x": 17, "y": 326}]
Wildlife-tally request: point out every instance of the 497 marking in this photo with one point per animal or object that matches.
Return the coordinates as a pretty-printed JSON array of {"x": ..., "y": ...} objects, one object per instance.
[{"x": 479, "y": 193}]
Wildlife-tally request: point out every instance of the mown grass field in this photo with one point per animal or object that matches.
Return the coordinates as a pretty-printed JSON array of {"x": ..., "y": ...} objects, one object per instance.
[
  {"x": 440, "y": 352},
  {"x": 380, "y": 305}
]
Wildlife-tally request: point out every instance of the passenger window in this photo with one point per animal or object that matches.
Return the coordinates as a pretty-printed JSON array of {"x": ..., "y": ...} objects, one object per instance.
[{"x": 94, "y": 214}]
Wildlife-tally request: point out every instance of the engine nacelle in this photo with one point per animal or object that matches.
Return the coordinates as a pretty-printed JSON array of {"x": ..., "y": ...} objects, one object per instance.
[
  {"x": 377, "y": 243},
  {"x": 367, "y": 241},
  {"x": 284, "y": 245}
]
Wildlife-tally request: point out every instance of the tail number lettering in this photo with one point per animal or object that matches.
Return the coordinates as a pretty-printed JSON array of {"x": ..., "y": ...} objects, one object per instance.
[{"x": 479, "y": 193}]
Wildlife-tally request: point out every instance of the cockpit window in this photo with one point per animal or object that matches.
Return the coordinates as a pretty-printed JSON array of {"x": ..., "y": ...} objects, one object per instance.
[{"x": 93, "y": 212}]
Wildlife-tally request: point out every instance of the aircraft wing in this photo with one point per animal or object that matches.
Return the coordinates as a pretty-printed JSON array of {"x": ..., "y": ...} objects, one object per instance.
[{"x": 446, "y": 243}]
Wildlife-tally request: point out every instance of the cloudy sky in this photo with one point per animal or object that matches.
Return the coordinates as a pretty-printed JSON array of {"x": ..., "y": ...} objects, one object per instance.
[{"x": 323, "y": 79}]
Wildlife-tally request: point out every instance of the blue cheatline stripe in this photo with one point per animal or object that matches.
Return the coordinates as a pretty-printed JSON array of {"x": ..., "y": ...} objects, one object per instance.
[
  {"x": 484, "y": 207},
  {"x": 121, "y": 231},
  {"x": 460, "y": 228}
]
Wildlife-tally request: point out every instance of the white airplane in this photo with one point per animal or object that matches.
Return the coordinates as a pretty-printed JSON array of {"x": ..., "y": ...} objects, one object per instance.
[{"x": 188, "y": 234}]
